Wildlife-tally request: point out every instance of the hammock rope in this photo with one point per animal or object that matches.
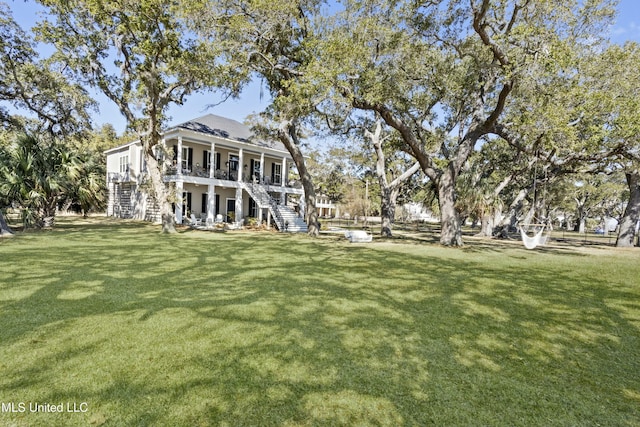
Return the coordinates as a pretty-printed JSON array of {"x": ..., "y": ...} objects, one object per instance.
[{"x": 538, "y": 238}]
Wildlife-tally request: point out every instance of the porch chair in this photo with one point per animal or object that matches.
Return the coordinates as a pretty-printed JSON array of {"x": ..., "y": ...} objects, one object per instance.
[{"x": 195, "y": 222}]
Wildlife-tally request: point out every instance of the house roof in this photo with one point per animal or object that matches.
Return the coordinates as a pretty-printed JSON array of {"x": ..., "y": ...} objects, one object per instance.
[{"x": 226, "y": 128}]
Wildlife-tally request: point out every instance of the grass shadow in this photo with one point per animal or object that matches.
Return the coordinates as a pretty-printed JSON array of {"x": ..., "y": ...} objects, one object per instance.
[{"x": 273, "y": 329}]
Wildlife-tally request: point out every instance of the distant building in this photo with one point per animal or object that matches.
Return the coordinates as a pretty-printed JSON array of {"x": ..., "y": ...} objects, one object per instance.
[
  {"x": 418, "y": 212},
  {"x": 325, "y": 206}
]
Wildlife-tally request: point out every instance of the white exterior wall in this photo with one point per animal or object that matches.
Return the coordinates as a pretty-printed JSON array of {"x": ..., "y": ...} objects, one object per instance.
[
  {"x": 113, "y": 160},
  {"x": 134, "y": 159}
]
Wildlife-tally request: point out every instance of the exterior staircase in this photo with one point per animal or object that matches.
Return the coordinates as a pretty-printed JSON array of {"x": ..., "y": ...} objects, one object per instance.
[
  {"x": 293, "y": 223},
  {"x": 286, "y": 219}
]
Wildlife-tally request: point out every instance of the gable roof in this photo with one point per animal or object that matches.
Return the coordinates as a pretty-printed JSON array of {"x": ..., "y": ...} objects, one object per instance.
[{"x": 226, "y": 128}]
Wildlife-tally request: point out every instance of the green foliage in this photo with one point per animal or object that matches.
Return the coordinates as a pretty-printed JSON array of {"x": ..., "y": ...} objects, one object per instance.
[
  {"x": 88, "y": 189},
  {"x": 583, "y": 196},
  {"x": 333, "y": 186},
  {"x": 40, "y": 175},
  {"x": 89, "y": 192},
  {"x": 34, "y": 174},
  {"x": 137, "y": 53},
  {"x": 328, "y": 171},
  {"x": 38, "y": 85},
  {"x": 141, "y": 57},
  {"x": 446, "y": 75}
]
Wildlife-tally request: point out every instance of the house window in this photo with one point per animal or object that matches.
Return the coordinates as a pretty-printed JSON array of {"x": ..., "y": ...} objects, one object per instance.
[
  {"x": 255, "y": 170},
  {"x": 124, "y": 164},
  {"x": 276, "y": 173},
  {"x": 234, "y": 162},
  {"x": 231, "y": 210},
  {"x": 253, "y": 208},
  {"x": 186, "y": 203},
  {"x": 187, "y": 158},
  {"x": 206, "y": 160},
  {"x": 205, "y": 200}
]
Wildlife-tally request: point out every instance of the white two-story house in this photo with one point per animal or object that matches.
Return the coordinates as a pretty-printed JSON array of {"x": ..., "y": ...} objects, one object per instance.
[{"x": 219, "y": 170}]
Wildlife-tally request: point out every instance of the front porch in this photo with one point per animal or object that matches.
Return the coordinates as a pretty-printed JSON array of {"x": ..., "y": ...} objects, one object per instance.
[{"x": 210, "y": 201}]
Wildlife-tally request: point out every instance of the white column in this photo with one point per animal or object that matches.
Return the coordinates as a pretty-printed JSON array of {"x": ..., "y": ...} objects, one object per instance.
[
  {"x": 212, "y": 163},
  {"x": 241, "y": 165},
  {"x": 283, "y": 179},
  {"x": 179, "y": 157},
  {"x": 285, "y": 172},
  {"x": 211, "y": 203},
  {"x": 179, "y": 191},
  {"x": 112, "y": 194},
  {"x": 239, "y": 213},
  {"x": 163, "y": 157},
  {"x": 261, "y": 168}
]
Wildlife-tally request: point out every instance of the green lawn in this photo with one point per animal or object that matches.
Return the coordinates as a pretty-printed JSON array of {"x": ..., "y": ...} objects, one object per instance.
[{"x": 253, "y": 329}]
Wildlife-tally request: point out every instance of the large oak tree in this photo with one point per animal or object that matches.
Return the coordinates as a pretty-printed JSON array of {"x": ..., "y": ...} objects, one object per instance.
[
  {"x": 273, "y": 41},
  {"x": 141, "y": 56},
  {"x": 443, "y": 73}
]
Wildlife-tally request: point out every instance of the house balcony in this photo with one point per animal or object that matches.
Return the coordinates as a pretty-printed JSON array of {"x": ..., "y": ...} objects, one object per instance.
[{"x": 229, "y": 179}]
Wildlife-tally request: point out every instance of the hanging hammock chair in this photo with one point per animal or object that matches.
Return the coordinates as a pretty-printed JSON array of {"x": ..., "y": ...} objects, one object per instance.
[{"x": 538, "y": 239}]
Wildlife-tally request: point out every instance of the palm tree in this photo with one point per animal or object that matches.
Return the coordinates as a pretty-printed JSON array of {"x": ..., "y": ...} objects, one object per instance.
[
  {"x": 87, "y": 189},
  {"x": 33, "y": 175}
]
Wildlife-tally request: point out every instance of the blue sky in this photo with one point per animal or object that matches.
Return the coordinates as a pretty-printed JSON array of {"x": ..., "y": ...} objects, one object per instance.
[
  {"x": 627, "y": 25},
  {"x": 627, "y": 28}
]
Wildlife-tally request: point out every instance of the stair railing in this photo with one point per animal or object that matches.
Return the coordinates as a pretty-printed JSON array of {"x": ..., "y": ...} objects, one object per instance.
[{"x": 264, "y": 200}]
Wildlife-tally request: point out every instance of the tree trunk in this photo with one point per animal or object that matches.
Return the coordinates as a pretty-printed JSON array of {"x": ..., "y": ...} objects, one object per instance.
[
  {"x": 497, "y": 217},
  {"x": 581, "y": 220},
  {"x": 160, "y": 192},
  {"x": 5, "y": 230},
  {"x": 582, "y": 212},
  {"x": 511, "y": 219},
  {"x": 474, "y": 223},
  {"x": 451, "y": 233},
  {"x": 150, "y": 142},
  {"x": 388, "y": 197},
  {"x": 487, "y": 224},
  {"x": 631, "y": 213},
  {"x": 311, "y": 213},
  {"x": 388, "y": 191},
  {"x": 582, "y": 226},
  {"x": 286, "y": 134},
  {"x": 48, "y": 215},
  {"x": 67, "y": 205},
  {"x": 492, "y": 215}
]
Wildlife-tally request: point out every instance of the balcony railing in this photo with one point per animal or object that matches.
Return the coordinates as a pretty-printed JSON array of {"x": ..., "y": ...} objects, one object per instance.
[
  {"x": 119, "y": 176},
  {"x": 233, "y": 176}
]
